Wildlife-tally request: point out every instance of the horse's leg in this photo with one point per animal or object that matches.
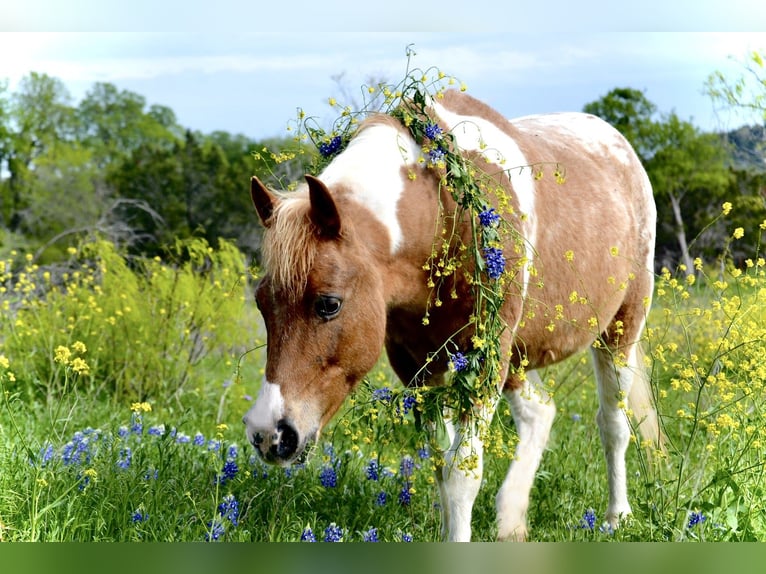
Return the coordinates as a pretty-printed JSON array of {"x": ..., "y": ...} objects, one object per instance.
[
  {"x": 614, "y": 379},
  {"x": 533, "y": 413},
  {"x": 460, "y": 476}
]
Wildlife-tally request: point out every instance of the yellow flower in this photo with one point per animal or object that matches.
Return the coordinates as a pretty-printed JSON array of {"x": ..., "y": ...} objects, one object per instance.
[
  {"x": 138, "y": 407},
  {"x": 615, "y": 251},
  {"x": 62, "y": 355},
  {"x": 80, "y": 367},
  {"x": 4, "y": 362},
  {"x": 726, "y": 208},
  {"x": 739, "y": 233},
  {"x": 332, "y": 101},
  {"x": 79, "y": 347},
  {"x": 569, "y": 255}
]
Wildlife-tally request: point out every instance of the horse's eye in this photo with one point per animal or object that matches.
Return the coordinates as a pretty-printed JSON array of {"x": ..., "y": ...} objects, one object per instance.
[{"x": 327, "y": 306}]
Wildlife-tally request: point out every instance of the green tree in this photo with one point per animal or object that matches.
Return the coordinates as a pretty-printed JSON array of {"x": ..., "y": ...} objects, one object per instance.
[{"x": 746, "y": 92}]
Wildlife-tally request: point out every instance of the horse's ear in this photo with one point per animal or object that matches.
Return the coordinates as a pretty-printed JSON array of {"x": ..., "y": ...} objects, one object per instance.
[
  {"x": 324, "y": 213},
  {"x": 263, "y": 200}
]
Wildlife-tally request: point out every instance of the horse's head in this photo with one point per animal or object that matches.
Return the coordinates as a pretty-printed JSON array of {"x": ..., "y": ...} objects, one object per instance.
[{"x": 323, "y": 305}]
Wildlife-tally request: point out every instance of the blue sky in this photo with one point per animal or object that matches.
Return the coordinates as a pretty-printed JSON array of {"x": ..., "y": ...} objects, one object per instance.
[{"x": 235, "y": 73}]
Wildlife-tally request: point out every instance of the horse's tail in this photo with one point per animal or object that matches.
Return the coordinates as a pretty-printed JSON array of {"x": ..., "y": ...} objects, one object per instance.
[{"x": 641, "y": 401}]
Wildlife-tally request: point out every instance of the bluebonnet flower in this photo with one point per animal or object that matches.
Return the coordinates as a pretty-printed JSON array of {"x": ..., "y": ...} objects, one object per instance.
[
  {"x": 123, "y": 431},
  {"x": 371, "y": 535},
  {"x": 459, "y": 361},
  {"x": 424, "y": 453},
  {"x": 76, "y": 451},
  {"x": 139, "y": 516},
  {"x": 406, "y": 466},
  {"x": 214, "y": 445},
  {"x": 433, "y": 131},
  {"x": 151, "y": 474},
  {"x": 372, "y": 470},
  {"x": 405, "y": 497},
  {"x": 308, "y": 535},
  {"x": 126, "y": 456},
  {"x": 696, "y": 518},
  {"x": 436, "y": 155},
  {"x": 380, "y": 500},
  {"x": 588, "y": 520},
  {"x": 136, "y": 425},
  {"x": 229, "y": 509},
  {"x": 158, "y": 430},
  {"x": 382, "y": 394},
  {"x": 406, "y": 537},
  {"x": 489, "y": 217},
  {"x": 576, "y": 418},
  {"x": 230, "y": 470},
  {"x": 328, "y": 477},
  {"x": 199, "y": 439},
  {"x": 333, "y": 533},
  {"x": 215, "y": 530},
  {"x": 408, "y": 403},
  {"x": 182, "y": 438},
  {"x": 232, "y": 452},
  {"x": 46, "y": 453},
  {"x": 330, "y": 148},
  {"x": 495, "y": 261}
]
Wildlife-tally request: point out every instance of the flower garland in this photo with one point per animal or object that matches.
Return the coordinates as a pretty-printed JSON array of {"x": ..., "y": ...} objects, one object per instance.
[{"x": 477, "y": 371}]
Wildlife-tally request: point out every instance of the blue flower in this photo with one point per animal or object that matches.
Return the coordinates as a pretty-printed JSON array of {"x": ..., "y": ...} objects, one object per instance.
[
  {"x": 588, "y": 520},
  {"x": 328, "y": 477},
  {"x": 696, "y": 518},
  {"x": 330, "y": 148},
  {"x": 308, "y": 535},
  {"x": 406, "y": 466},
  {"x": 380, "y": 500},
  {"x": 199, "y": 439},
  {"x": 489, "y": 217},
  {"x": 333, "y": 533},
  {"x": 382, "y": 394},
  {"x": 137, "y": 425},
  {"x": 459, "y": 361},
  {"x": 182, "y": 438},
  {"x": 126, "y": 456},
  {"x": 230, "y": 470},
  {"x": 215, "y": 530},
  {"x": 158, "y": 430},
  {"x": 406, "y": 537},
  {"x": 232, "y": 452},
  {"x": 123, "y": 431},
  {"x": 139, "y": 516},
  {"x": 436, "y": 155},
  {"x": 46, "y": 453},
  {"x": 408, "y": 403},
  {"x": 372, "y": 470},
  {"x": 433, "y": 131},
  {"x": 371, "y": 535},
  {"x": 229, "y": 509},
  {"x": 405, "y": 497},
  {"x": 424, "y": 453},
  {"x": 495, "y": 261}
]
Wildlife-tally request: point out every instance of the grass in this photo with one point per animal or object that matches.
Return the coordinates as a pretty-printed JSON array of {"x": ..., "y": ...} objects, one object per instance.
[{"x": 88, "y": 453}]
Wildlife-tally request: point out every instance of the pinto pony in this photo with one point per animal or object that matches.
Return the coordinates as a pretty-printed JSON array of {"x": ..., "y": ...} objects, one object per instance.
[{"x": 344, "y": 279}]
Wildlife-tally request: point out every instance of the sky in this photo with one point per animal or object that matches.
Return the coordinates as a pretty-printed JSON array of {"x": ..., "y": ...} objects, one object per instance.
[{"x": 249, "y": 72}]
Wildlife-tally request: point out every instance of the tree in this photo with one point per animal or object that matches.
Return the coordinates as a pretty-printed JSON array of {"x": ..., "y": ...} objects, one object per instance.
[{"x": 747, "y": 92}]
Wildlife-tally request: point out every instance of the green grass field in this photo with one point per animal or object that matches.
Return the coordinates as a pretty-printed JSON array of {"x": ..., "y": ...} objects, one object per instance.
[{"x": 124, "y": 383}]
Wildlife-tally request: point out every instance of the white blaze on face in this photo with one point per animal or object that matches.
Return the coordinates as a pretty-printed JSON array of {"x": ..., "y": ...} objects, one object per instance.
[{"x": 269, "y": 408}]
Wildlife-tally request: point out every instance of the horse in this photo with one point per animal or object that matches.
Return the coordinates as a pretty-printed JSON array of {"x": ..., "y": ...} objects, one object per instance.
[{"x": 344, "y": 279}]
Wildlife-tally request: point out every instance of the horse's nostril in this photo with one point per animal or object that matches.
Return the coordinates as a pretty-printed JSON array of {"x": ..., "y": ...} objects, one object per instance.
[{"x": 288, "y": 440}]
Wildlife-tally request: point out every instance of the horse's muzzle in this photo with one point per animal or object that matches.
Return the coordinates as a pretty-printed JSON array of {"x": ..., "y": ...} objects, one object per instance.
[{"x": 278, "y": 446}]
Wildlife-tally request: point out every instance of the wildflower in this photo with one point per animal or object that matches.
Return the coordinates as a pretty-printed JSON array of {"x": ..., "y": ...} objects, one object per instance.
[
  {"x": 739, "y": 233},
  {"x": 232, "y": 452},
  {"x": 79, "y": 347},
  {"x": 408, "y": 403},
  {"x": 46, "y": 453},
  {"x": 328, "y": 477},
  {"x": 726, "y": 207},
  {"x": 433, "y": 131},
  {"x": 696, "y": 518},
  {"x": 215, "y": 530},
  {"x": 182, "y": 438},
  {"x": 371, "y": 535},
  {"x": 380, "y": 500},
  {"x": 308, "y": 535},
  {"x": 495, "y": 261},
  {"x": 137, "y": 425},
  {"x": 405, "y": 495},
  {"x": 458, "y": 362},
  {"x": 406, "y": 537},
  {"x": 423, "y": 453},
  {"x": 436, "y": 155},
  {"x": 372, "y": 470},
  {"x": 126, "y": 456},
  {"x": 4, "y": 362},
  {"x": 588, "y": 520},
  {"x": 383, "y": 394},
  {"x": 406, "y": 466},
  {"x": 230, "y": 470},
  {"x": 139, "y": 407},
  {"x": 199, "y": 439},
  {"x": 328, "y": 149},
  {"x": 139, "y": 516},
  {"x": 489, "y": 218},
  {"x": 158, "y": 430},
  {"x": 229, "y": 509},
  {"x": 333, "y": 533},
  {"x": 62, "y": 355}
]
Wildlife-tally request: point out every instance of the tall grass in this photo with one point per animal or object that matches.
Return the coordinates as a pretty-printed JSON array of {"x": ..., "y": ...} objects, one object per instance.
[{"x": 124, "y": 382}]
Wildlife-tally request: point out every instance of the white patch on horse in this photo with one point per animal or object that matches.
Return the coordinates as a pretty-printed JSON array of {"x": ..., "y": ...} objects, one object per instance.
[
  {"x": 269, "y": 407},
  {"x": 473, "y": 133},
  {"x": 597, "y": 136},
  {"x": 370, "y": 167}
]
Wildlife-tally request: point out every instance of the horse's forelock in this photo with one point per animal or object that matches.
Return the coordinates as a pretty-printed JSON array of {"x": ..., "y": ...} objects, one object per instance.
[{"x": 290, "y": 245}]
